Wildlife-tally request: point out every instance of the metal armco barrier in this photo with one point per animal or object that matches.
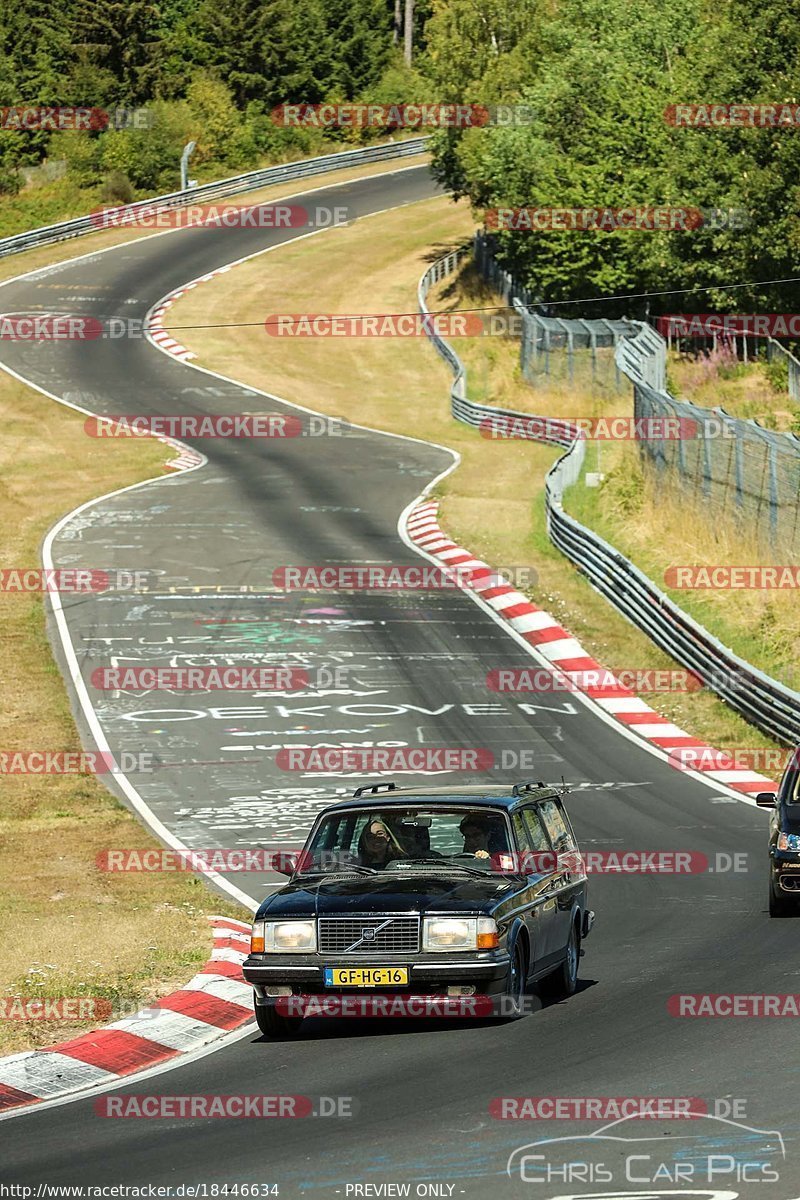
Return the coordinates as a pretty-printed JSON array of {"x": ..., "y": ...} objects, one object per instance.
[
  {"x": 464, "y": 409},
  {"x": 248, "y": 182},
  {"x": 766, "y": 703}
]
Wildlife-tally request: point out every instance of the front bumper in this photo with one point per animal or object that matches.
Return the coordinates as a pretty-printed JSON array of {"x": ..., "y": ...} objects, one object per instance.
[
  {"x": 486, "y": 972},
  {"x": 786, "y": 871}
]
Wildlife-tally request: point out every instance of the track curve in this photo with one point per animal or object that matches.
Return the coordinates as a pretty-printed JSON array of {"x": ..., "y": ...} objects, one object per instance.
[{"x": 421, "y": 1093}]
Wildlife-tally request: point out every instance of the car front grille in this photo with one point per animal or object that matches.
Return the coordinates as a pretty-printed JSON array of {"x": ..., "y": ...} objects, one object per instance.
[{"x": 385, "y": 935}]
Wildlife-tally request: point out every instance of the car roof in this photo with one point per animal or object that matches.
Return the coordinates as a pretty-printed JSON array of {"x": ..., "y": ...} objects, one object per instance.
[{"x": 478, "y": 795}]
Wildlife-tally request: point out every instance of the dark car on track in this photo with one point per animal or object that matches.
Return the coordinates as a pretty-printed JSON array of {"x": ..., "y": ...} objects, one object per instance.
[
  {"x": 425, "y": 892},
  {"x": 784, "y": 841}
]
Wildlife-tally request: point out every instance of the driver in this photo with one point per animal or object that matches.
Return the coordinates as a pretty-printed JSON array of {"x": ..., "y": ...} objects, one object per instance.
[{"x": 477, "y": 832}]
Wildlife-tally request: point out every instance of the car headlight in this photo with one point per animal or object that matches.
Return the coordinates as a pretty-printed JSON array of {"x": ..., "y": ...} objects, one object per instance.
[
  {"x": 290, "y": 937},
  {"x": 459, "y": 933},
  {"x": 789, "y": 841}
]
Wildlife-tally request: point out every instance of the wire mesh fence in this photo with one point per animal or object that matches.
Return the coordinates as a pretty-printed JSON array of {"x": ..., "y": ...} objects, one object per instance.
[
  {"x": 553, "y": 350},
  {"x": 735, "y": 469},
  {"x": 730, "y": 468}
]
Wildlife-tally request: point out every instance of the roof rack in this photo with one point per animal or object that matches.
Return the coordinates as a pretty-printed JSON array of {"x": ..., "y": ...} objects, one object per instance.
[
  {"x": 533, "y": 785},
  {"x": 517, "y": 789},
  {"x": 448, "y": 789},
  {"x": 372, "y": 789},
  {"x": 527, "y": 785}
]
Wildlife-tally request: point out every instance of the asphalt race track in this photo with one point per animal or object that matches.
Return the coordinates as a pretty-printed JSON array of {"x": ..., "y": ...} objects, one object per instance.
[{"x": 415, "y": 667}]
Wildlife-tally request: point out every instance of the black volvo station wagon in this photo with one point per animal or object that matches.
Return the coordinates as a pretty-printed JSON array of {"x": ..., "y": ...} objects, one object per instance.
[
  {"x": 784, "y": 841},
  {"x": 425, "y": 892}
]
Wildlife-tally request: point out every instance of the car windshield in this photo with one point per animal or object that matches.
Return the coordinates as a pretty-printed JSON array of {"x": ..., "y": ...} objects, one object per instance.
[{"x": 390, "y": 839}]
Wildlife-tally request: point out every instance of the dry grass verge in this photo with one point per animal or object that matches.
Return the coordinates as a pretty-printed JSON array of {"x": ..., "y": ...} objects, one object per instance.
[
  {"x": 69, "y": 929},
  {"x": 493, "y": 502}
]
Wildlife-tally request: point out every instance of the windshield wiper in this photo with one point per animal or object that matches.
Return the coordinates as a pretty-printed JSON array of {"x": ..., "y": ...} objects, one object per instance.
[
  {"x": 344, "y": 869},
  {"x": 443, "y": 862}
]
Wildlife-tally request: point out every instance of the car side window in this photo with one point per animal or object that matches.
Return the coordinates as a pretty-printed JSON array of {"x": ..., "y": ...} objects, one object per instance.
[
  {"x": 536, "y": 831},
  {"x": 789, "y": 790},
  {"x": 520, "y": 833},
  {"x": 557, "y": 827}
]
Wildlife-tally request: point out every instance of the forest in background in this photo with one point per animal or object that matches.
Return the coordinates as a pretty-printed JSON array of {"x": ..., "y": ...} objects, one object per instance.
[{"x": 596, "y": 76}]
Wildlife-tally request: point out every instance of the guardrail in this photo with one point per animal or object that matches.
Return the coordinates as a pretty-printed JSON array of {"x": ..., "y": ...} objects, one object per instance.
[
  {"x": 248, "y": 182},
  {"x": 766, "y": 703},
  {"x": 464, "y": 409}
]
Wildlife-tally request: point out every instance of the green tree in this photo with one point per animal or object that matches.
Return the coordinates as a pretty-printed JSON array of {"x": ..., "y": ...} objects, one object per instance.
[{"x": 124, "y": 40}]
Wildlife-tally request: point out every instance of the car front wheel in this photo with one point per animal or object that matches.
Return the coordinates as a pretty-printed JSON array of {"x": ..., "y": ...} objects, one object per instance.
[
  {"x": 515, "y": 985},
  {"x": 275, "y": 1024}
]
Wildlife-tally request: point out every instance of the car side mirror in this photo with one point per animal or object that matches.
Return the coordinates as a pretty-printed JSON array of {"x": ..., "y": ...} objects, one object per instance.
[
  {"x": 766, "y": 799},
  {"x": 286, "y": 862}
]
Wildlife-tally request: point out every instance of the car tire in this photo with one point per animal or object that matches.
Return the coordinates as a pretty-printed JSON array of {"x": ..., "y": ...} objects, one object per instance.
[
  {"x": 563, "y": 982},
  {"x": 274, "y": 1024},
  {"x": 779, "y": 904},
  {"x": 514, "y": 991}
]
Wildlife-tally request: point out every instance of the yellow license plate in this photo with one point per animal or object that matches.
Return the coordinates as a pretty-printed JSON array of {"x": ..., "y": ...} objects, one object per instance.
[{"x": 365, "y": 976}]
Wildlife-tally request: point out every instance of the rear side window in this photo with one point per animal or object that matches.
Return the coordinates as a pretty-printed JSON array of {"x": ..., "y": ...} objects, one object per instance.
[
  {"x": 556, "y": 825},
  {"x": 536, "y": 832}
]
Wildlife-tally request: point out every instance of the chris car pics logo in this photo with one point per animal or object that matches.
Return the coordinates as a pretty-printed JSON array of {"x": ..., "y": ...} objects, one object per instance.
[{"x": 715, "y": 1153}]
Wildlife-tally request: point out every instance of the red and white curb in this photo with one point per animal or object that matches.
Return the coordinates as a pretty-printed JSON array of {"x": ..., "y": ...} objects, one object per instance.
[
  {"x": 560, "y": 649},
  {"x": 155, "y": 331},
  {"x": 186, "y": 457},
  {"x": 211, "y": 1004},
  {"x": 154, "y": 325}
]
